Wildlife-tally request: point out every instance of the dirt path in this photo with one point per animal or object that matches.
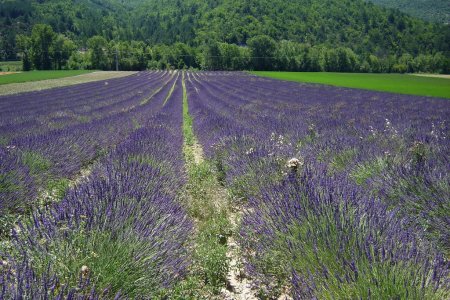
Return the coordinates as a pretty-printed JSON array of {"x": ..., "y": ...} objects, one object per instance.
[
  {"x": 215, "y": 203},
  {"x": 15, "y": 88},
  {"x": 238, "y": 286}
]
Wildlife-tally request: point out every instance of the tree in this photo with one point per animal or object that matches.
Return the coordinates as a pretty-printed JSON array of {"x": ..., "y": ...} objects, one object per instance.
[
  {"x": 374, "y": 63},
  {"x": 347, "y": 60},
  {"x": 212, "y": 55},
  {"x": 316, "y": 59},
  {"x": 331, "y": 61},
  {"x": 97, "y": 52},
  {"x": 23, "y": 44},
  {"x": 61, "y": 50},
  {"x": 406, "y": 60},
  {"x": 79, "y": 61},
  {"x": 263, "y": 50},
  {"x": 292, "y": 56},
  {"x": 285, "y": 55},
  {"x": 42, "y": 38},
  {"x": 230, "y": 57}
]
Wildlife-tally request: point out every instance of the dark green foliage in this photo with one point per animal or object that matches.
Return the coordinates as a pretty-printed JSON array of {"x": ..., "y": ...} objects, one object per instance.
[
  {"x": 44, "y": 49},
  {"x": 42, "y": 38},
  {"x": 330, "y": 35},
  {"x": 98, "y": 58},
  {"x": 58, "y": 188},
  {"x": 262, "y": 48},
  {"x": 111, "y": 260},
  {"x": 431, "y": 10},
  {"x": 36, "y": 162}
]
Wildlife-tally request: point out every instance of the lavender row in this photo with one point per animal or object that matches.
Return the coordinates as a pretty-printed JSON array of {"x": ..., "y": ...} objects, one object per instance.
[
  {"x": 344, "y": 190},
  {"x": 61, "y": 153},
  {"x": 99, "y": 103},
  {"x": 120, "y": 234},
  {"x": 64, "y": 97}
]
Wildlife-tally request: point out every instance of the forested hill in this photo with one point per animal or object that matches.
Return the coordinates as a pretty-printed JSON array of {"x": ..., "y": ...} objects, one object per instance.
[
  {"x": 362, "y": 26},
  {"x": 431, "y": 10}
]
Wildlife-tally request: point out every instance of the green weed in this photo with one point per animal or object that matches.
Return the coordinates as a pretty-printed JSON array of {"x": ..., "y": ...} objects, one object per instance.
[
  {"x": 36, "y": 162},
  {"x": 363, "y": 172},
  {"x": 110, "y": 260},
  {"x": 209, "y": 208}
]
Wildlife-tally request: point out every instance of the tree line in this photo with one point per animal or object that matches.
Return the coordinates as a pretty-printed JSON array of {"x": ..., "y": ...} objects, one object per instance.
[{"x": 44, "y": 49}]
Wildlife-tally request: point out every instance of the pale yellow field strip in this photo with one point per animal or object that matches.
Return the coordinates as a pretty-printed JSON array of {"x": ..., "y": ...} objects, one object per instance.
[
  {"x": 446, "y": 76},
  {"x": 7, "y": 73},
  {"x": 14, "y": 88}
]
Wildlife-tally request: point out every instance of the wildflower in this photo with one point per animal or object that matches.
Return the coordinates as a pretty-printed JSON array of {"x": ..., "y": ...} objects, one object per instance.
[
  {"x": 249, "y": 151},
  {"x": 64, "y": 228},
  {"x": 106, "y": 83},
  {"x": 389, "y": 128},
  {"x": 272, "y": 136},
  {"x": 419, "y": 151},
  {"x": 294, "y": 163},
  {"x": 85, "y": 271}
]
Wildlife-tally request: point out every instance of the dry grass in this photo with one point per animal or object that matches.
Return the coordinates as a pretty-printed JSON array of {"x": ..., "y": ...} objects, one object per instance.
[
  {"x": 7, "y": 73},
  {"x": 446, "y": 76},
  {"x": 14, "y": 88}
]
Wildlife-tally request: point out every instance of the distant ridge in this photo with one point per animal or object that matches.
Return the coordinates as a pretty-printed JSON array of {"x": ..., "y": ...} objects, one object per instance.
[
  {"x": 431, "y": 10},
  {"x": 357, "y": 24}
]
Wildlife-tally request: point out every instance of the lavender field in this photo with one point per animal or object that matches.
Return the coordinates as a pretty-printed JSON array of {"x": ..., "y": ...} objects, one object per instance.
[{"x": 223, "y": 185}]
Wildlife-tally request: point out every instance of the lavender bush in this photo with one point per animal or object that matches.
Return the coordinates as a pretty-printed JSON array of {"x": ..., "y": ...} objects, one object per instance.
[
  {"x": 122, "y": 233},
  {"x": 68, "y": 134},
  {"x": 364, "y": 212}
]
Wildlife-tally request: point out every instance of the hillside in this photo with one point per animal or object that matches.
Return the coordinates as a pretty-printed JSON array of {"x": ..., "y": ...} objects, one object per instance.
[
  {"x": 430, "y": 10},
  {"x": 362, "y": 26}
]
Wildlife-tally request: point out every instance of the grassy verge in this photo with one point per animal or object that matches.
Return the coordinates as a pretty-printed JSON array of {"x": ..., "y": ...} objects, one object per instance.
[
  {"x": 39, "y": 75},
  {"x": 10, "y": 66},
  {"x": 394, "y": 83},
  {"x": 208, "y": 207},
  {"x": 171, "y": 91}
]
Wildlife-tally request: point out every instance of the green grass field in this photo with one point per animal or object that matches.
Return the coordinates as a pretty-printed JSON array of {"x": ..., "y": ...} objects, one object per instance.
[
  {"x": 395, "y": 83},
  {"x": 39, "y": 75}
]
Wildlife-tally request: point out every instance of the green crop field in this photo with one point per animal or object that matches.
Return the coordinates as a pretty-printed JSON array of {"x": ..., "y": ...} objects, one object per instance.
[
  {"x": 39, "y": 75},
  {"x": 395, "y": 83}
]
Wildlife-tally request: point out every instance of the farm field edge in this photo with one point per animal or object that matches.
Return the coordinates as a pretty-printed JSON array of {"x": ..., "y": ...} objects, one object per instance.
[{"x": 393, "y": 83}]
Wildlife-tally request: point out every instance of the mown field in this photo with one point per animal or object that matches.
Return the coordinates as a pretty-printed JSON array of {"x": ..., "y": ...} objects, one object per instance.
[
  {"x": 394, "y": 83},
  {"x": 31, "y": 86},
  {"x": 39, "y": 75},
  {"x": 220, "y": 185}
]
